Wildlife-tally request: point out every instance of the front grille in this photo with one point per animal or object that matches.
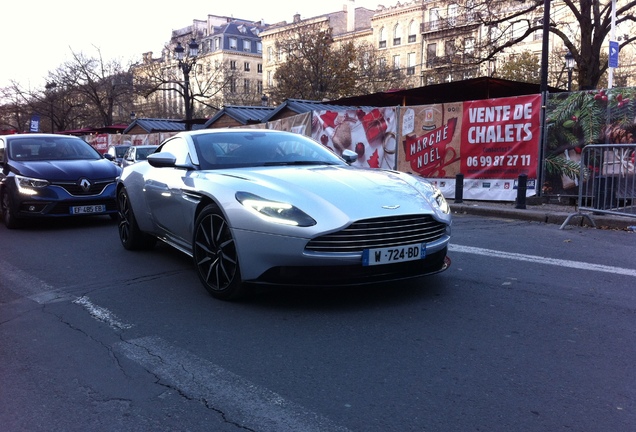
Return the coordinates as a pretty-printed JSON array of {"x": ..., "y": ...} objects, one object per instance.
[
  {"x": 97, "y": 187},
  {"x": 380, "y": 232}
]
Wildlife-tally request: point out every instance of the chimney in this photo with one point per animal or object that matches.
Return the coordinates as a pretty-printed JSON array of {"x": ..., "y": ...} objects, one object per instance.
[
  {"x": 350, "y": 9},
  {"x": 297, "y": 18}
]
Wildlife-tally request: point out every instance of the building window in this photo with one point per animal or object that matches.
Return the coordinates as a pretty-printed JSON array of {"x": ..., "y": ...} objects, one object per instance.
[
  {"x": 259, "y": 87},
  {"x": 233, "y": 64},
  {"x": 397, "y": 34},
  {"x": 259, "y": 47},
  {"x": 246, "y": 66},
  {"x": 270, "y": 54},
  {"x": 217, "y": 43},
  {"x": 452, "y": 14},
  {"x": 396, "y": 62},
  {"x": 246, "y": 86},
  {"x": 259, "y": 68},
  {"x": 233, "y": 85},
  {"x": 470, "y": 11},
  {"x": 413, "y": 31},
  {"x": 410, "y": 64},
  {"x": 449, "y": 50},
  {"x": 247, "y": 45},
  {"x": 469, "y": 49},
  {"x": 431, "y": 55},
  {"x": 538, "y": 35},
  {"x": 233, "y": 43},
  {"x": 433, "y": 18},
  {"x": 270, "y": 80},
  {"x": 382, "y": 35}
]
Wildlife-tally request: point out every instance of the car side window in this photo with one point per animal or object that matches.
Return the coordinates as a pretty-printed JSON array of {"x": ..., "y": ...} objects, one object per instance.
[
  {"x": 1, "y": 151},
  {"x": 178, "y": 147}
]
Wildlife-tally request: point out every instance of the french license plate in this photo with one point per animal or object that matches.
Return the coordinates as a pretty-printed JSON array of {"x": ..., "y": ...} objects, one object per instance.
[
  {"x": 88, "y": 209},
  {"x": 394, "y": 254}
]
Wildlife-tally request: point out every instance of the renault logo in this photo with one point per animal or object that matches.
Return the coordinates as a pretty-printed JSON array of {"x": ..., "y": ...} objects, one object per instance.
[{"x": 85, "y": 184}]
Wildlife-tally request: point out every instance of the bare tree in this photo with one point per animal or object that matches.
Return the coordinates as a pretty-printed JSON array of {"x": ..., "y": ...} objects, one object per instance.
[
  {"x": 314, "y": 67},
  {"x": 510, "y": 22},
  {"x": 374, "y": 74},
  {"x": 211, "y": 85},
  {"x": 104, "y": 87},
  {"x": 14, "y": 112}
]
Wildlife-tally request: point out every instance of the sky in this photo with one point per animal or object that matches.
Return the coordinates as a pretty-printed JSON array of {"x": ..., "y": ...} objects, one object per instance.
[{"x": 40, "y": 35}]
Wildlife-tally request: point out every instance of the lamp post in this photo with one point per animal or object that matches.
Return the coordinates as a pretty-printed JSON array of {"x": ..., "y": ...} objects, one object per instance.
[
  {"x": 569, "y": 63},
  {"x": 50, "y": 87},
  {"x": 186, "y": 62}
]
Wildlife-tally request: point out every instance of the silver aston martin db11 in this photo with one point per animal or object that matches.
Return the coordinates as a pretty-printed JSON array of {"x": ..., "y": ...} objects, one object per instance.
[{"x": 263, "y": 206}]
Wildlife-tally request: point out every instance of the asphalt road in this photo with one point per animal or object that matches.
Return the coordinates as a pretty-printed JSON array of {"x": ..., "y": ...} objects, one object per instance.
[{"x": 531, "y": 329}]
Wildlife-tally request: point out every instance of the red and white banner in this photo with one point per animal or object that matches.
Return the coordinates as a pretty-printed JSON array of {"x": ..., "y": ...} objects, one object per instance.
[{"x": 491, "y": 142}]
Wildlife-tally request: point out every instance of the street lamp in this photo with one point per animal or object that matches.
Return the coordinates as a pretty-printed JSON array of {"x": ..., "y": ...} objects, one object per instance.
[
  {"x": 50, "y": 88},
  {"x": 569, "y": 63},
  {"x": 186, "y": 62}
]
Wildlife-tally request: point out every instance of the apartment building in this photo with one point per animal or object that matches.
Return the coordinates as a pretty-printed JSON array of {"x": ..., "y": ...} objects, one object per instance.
[
  {"x": 430, "y": 41},
  {"x": 228, "y": 68}
]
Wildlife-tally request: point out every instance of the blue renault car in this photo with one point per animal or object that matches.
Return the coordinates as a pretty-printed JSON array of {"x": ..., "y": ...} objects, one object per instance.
[{"x": 48, "y": 175}]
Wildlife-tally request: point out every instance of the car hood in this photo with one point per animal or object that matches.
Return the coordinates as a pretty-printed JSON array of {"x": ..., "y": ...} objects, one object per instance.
[
  {"x": 347, "y": 192},
  {"x": 67, "y": 170}
]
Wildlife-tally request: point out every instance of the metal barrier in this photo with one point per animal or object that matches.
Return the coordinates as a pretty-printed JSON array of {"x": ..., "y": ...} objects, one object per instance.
[{"x": 607, "y": 181}]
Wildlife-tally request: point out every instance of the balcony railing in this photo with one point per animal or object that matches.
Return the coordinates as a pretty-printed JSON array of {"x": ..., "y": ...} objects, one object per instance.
[{"x": 447, "y": 23}]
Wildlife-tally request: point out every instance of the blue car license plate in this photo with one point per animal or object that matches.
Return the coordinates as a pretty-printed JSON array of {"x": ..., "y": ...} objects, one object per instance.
[{"x": 393, "y": 254}]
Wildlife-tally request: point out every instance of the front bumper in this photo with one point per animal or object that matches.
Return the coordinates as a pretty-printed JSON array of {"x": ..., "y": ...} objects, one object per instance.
[
  {"x": 55, "y": 201},
  {"x": 281, "y": 260}
]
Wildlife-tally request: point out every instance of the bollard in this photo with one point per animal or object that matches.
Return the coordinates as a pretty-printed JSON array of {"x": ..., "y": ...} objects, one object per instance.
[
  {"x": 459, "y": 188},
  {"x": 522, "y": 185}
]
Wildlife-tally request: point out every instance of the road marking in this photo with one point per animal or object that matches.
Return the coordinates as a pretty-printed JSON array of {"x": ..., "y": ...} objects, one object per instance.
[
  {"x": 239, "y": 401},
  {"x": 543, "y": 260},
  {"x": 26, "y": 285},
  {"x": 101, "y": 314}
]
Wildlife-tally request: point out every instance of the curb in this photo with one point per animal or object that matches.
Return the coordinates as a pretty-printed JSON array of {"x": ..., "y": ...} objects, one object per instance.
[{"x": 577, "y": 219}]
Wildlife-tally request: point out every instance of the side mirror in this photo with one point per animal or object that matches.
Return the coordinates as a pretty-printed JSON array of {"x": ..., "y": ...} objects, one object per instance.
[
  {"x": 162, "y": 160},
  {"x": 349, "y": 156},
  {"x": 109, "y": 156}
]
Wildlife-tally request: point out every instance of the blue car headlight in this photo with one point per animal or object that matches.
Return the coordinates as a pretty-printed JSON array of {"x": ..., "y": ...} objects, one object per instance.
[
  {"x": 28, "y": 185},
  {"x": 274, "y": 211}
]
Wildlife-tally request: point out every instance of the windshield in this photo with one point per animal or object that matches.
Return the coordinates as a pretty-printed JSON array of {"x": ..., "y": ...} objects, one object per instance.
[
  {"x": 32, "y": 148},
  {"x": 257, "y": 148},
  {"x": 143, "y": 152}
]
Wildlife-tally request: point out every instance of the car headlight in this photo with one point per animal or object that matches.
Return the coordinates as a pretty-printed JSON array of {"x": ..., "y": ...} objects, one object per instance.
[
  {"x": 28, "y": 185},
  {"x": 432, "y": 193},
  {"x": 441, "y": 201},
  {"x": 274, "y": 211}
]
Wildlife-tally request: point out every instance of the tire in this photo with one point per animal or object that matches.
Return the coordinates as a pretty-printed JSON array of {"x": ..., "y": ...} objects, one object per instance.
[
  {"x": 131, "y": 237},
  {"x": 215, "y": 255},
  {"x": 11, "y": 221}
]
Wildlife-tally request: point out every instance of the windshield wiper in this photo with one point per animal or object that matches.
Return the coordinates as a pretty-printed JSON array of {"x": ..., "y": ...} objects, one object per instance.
[{"x": 298, "y": 162}]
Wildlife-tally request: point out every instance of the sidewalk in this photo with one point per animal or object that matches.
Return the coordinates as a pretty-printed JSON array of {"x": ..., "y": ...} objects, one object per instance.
[{"x": 538, "y": 211}]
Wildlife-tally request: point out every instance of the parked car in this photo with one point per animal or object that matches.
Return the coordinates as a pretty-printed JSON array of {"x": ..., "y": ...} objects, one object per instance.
[
  {"x": 272, "y": 207},
  {"x": 115, "y": 153},
  {"x": 135, "y": 154},
  {"x": 46, "y": 175}
]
